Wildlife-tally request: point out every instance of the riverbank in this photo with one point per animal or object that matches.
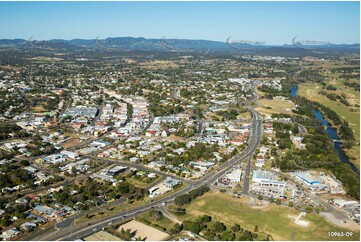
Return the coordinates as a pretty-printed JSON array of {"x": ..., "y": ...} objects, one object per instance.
[{"x": 310, "y": 91}]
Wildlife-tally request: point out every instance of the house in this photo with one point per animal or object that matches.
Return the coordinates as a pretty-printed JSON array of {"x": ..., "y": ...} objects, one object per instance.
[
  {"x": 44, "y": 210},
  {"x": 28, "y": 226},
  {"x": 237, "y": 142},
  {"x": 152, "y": 175},
  {"x": 100, "y": 143},
  {"x": 171, "y": 183},
  {"x": 30, "y": 169},
  {"x": 134, "y": 159},
  {"x": 71, "y": 155},
  {"x": 154, "y": 191},
  {"x": 36, "y": 219},
  {"x": 21, "y": 201},
  {"x": 10, "y": 233},
  {"x": 2, "y": 212}
]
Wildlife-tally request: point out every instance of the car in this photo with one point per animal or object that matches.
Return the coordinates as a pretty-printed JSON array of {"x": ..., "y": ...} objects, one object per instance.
[
  {"x": 110, "y": 223},
  {"x": 95, "y": 229}
]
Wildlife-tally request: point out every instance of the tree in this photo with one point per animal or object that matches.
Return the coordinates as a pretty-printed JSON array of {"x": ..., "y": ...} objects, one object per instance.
[
  {"x": 205, "y": 219},
  {"x": 180, "y": 211},
  {"x": 246, "y": 236},
  {"x": 309, "y": 209},
  {"x": 5, "y": 221},
  {"x": 236, "y": 228},
  {"x": 176, "y": 229},
  {"x": 192, "y": 226},
  {"x": 256, "y": 228},
  {"x": 182, "y": 199},
  {"x": 219, "y": 227},
  {"x": 228, "y": 236},
  {"x": 156, "y": 215}
]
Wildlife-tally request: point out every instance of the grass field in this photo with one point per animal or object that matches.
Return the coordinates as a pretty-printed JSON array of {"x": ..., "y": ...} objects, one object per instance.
[
  {"x": 164, "y": 222},
  {"x": 137, "y": 183},
  {"x": 38, "y": 109},
  {"x": 102, "y": 236},
  {"x": 310, "y": 91},
  {"x": 268, "y": 107},
  {"x": 272, "y": 220}
]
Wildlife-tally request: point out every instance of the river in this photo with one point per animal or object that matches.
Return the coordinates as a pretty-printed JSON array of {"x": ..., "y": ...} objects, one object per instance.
[{"x": 332, "y": 133}]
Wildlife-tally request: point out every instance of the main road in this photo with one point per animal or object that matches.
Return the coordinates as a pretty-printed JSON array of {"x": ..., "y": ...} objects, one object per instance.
[{"x": 81, "y": 230}]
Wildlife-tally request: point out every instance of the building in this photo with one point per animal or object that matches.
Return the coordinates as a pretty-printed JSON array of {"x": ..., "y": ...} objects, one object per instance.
[
  {"x": 116, "y": 170},
  {"x": 266, "y": 178},
  {"x": 166, "y": 119},
  {"x": 81, "y": 111},
  {"x": 235, "y": 176},
  {"x": 201, "y": 164},
  {"x": 100, "y": 143},
  {"x": 71, "y": 155},
  {"x": 171, "y": 183},
  {"x": 10, "y": 233},
  {"x": 307, "y": 178},
  {"x": 28, "y": 226}
]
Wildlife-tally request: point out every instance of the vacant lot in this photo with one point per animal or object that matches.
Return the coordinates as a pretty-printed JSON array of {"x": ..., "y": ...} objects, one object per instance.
[
  {"x": 277, "y": 105},
  {"x": 70, "y": 143},
  {"x": 102, "y": 236},
  {"x": 159, "y": 64},
  {"x": 273, "y": 219},
  {"x": 144, "y": 231}
]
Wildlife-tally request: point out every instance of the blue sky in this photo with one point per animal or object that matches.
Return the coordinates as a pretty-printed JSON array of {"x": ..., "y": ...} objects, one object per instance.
[{"x": 270, "y": 22}]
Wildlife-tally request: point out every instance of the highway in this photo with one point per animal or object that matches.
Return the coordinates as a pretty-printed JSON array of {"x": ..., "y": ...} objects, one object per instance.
[{"x": 77, "y": 231}]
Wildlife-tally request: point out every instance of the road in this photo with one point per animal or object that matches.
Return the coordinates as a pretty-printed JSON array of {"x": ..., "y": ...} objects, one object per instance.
[
  {"x": 96, "y": 118},
  {"x": 83, "y": 229},
  {"x": 247, "y": 176}
]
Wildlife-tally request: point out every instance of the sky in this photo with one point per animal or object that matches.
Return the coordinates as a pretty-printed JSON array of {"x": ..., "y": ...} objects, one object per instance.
[{"x": 268, "y": 22}]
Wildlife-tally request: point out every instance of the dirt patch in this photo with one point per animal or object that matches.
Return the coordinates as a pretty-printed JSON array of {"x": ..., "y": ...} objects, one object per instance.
[
  {"x": 144, "y": 231},
  {"x": 71, "y": 143},
  {"x": 348, "y": 225}
]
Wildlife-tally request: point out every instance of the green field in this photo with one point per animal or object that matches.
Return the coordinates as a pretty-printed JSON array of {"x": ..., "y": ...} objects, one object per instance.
[
  {"x": 310, "y": 91},
  {"x": 272, "y": 219},
  {"x": 137, "y": 183},
  {"x": 164, "y": 222}
]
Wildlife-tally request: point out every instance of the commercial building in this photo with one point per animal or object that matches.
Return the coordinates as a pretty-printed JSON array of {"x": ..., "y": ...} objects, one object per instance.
[
  {"x": 81, "y": 111},
  {"x": 235, "y": 176},
  {"x": 116, "y": 170},
  {"x": 307, "y": 178},
  {"x": 266, "y": 178}
]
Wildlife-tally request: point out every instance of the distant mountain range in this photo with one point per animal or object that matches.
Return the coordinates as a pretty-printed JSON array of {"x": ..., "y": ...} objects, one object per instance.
[{"x": 131, "y": 43}]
